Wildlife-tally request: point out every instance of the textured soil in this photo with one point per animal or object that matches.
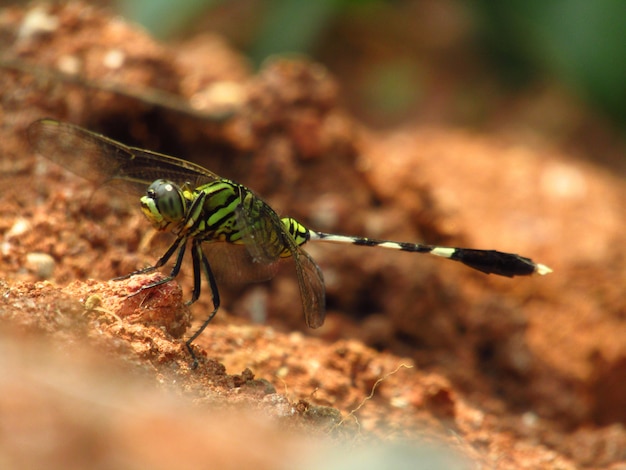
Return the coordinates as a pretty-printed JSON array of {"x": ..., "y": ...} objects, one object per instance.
[{"x": 420, "y": 359}]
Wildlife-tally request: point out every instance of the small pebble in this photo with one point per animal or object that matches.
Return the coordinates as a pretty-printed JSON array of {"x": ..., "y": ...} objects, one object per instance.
[
  {"x": 37, "y": 21},
  {"x": 42, "y": 264},
  {"x": 19, "y": 228},
  {"x": 114, "y": 59}
]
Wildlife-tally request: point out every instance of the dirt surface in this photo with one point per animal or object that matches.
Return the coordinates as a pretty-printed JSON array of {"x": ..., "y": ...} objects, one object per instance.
[{"x": 420, "y": 359}]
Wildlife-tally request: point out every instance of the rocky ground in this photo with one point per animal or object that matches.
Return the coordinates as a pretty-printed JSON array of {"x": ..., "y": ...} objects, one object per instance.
[{"x": 420, "y": 360}]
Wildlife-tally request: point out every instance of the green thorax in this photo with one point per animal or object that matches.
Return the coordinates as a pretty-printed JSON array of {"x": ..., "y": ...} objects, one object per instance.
[{"x": 229, "y": 212}]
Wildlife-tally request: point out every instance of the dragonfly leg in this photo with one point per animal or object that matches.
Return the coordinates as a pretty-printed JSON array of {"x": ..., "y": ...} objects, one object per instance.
[
  {"x": 179, "y": 245},
  {"x": 149, "y": 269},
  {"x": 201, "y": 264},
  {"x": 197, "y": 273},
  {"x": 161, "y": 261}
]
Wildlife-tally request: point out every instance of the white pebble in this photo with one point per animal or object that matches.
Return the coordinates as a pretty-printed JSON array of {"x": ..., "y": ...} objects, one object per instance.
[
  {"x": 42, "y": 264},
  {"x": 19, "y": 228}
]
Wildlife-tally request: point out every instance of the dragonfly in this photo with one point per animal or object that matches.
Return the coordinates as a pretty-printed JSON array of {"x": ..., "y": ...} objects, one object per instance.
[{"x": 205, "y": 210}]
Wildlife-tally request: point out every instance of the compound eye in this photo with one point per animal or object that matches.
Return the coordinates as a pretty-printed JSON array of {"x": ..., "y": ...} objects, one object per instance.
[{"x": 168, "y": 200}]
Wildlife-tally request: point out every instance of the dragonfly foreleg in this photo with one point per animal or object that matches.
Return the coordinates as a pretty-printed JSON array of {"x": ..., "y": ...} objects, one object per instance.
[
  {"x": 180, "y": 245},
  {"x": 162, "y": 260}
]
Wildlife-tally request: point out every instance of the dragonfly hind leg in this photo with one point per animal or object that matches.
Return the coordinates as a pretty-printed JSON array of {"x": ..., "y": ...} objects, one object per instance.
[{"x": 201, "y": 265}]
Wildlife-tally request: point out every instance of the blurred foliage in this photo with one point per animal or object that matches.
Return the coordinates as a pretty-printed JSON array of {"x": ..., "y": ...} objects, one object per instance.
[
  {"x": 164, "y": 18},
  {"x": 579, "y": 43},
  {"x": 292, "y": 25}
]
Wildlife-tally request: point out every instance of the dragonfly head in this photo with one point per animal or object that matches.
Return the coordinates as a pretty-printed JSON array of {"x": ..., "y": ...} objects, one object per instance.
[{"x": 164, "y": 204}]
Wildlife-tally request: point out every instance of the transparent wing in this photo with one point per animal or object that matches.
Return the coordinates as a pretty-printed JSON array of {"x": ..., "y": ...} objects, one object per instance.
[
  {"x": 266, "y": 240},
  {"x": 232, "y": 264},
  {"x": 312, "y": 288},
  {"x": 100, "y": 159}
]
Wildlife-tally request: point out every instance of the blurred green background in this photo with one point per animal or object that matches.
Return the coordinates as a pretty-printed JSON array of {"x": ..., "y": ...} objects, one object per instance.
[{"x": 394, "y": 57}]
